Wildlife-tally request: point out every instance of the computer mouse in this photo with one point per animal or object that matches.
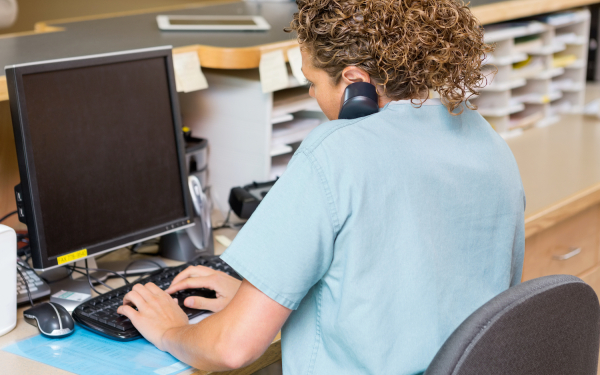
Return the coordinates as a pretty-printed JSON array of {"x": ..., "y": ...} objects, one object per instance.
[{"x": 52, "y": 319}]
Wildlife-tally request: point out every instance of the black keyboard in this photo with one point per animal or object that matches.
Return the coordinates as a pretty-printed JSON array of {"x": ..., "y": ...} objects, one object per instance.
[
  {"x": 99, "y": 314},
  {"x": 37, "y": 287}
]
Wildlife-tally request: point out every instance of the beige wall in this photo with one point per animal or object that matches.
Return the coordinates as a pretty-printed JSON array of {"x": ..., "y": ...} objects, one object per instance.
[{"x": 32, "y": 11}]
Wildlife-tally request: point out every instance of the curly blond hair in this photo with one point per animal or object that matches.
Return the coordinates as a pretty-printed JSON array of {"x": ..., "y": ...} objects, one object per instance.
[{"x": 408, "y": 47}]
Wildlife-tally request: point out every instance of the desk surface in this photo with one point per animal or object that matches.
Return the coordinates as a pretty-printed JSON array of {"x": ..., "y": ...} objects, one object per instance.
[
  {"x": 15, "y": 365},
  {"x": 560, "y": 167}
]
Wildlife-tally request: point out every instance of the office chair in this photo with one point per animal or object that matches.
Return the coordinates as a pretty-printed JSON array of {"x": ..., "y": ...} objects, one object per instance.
[{"x": 545, "y": 326}]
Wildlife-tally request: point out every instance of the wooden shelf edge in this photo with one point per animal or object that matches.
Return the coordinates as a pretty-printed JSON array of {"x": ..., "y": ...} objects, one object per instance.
[
  {"x": 50, "y": 23},
  {"x": 35, "y": 31},
  {"x": 3, "y": 89},
  {"x": 234, "y": 58},
  {"x": 514, "y": 9},
  {"x": 271, "y": 355},
  {"x": 562, "y": 210}
]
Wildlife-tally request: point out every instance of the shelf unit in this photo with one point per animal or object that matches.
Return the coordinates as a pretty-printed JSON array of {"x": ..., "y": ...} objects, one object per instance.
[
  {"x": 252, "y": 135},
  {"x": 541, "y": 69}
]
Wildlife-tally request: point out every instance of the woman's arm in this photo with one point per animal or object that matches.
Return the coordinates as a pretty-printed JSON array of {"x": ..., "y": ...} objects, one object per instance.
[{"x": 232, "y": 338}]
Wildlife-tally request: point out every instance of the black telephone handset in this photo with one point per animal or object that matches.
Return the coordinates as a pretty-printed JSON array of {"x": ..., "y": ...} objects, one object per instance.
[{"x": 360, "y": 99}]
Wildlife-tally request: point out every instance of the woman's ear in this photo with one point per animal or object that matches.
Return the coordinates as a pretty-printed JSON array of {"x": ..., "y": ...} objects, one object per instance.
[{"x": 352, "y": 74}]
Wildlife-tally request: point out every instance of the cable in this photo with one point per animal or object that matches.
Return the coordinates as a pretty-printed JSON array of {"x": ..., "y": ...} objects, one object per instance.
[
  {"x": 225, "y": 223},
  {"x": 87, "y": 272},
  {"x": 134, "y": 248},
  {"x": 26, "y": 285},
  {"x": 96, "y": 280},
  {"x": 86, "y": 268},
  {"x": 7, "y": 216}
]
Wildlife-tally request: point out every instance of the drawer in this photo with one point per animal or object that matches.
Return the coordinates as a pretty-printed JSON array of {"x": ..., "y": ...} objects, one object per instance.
[
  {"x": 592, "y": 278},
  {"x": 571, "y": 247}
]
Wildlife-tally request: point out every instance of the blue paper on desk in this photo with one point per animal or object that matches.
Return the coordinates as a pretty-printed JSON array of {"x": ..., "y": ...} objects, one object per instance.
[{"x": 87, "y": 353}]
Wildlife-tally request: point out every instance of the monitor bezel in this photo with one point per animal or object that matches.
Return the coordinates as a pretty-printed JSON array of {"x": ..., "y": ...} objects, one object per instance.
[{"x": 26, "y": 162}]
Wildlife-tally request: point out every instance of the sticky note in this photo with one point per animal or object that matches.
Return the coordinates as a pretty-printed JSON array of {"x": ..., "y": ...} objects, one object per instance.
[
  {"x": 72, "y": 256},
  {"x": 295, "y": 59},
  {"x": 273, "y": 71},
  {"x": 71, "y": 296},
  {"x": 223, "y": 240},
  {"x": 188, "y": 74}
]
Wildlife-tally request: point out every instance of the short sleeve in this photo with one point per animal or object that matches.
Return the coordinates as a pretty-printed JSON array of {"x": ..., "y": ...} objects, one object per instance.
[{"x": 287, "y": 244}]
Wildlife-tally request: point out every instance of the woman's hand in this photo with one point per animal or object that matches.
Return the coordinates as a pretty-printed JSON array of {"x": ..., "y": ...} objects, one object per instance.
[
  {"x": 157, "y": 312},
  {"x": 224, "y": 286}
]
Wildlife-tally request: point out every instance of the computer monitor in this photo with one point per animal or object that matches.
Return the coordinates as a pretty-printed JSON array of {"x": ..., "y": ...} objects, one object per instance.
[{"x": 100, "y": 152}]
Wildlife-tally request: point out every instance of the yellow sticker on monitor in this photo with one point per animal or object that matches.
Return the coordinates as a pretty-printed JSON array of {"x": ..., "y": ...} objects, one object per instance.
[{"x": 73, "y": 256}]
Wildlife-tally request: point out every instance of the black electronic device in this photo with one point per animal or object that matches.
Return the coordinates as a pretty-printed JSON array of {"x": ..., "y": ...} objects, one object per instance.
[
  {"x": 360, "y": 99},
  {"x": 51, "y": 319},
  {"x": 100, "y": 151},
  {"x": 100, "y": 314},
  {"x": 244, "y": 200}
]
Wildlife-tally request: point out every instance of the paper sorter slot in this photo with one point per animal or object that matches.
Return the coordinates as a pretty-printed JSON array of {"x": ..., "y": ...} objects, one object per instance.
[
  {"x": 277, "y": 150},
  {"x": 526, "y": 118},
  {"x": 292, "y": 100},
  {"x": 278, "y": 165},
  {"x": 293, "y": 131}
]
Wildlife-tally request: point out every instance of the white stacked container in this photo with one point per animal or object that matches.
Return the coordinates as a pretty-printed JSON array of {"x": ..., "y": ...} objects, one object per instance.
[{"x": 8, "y": 279}]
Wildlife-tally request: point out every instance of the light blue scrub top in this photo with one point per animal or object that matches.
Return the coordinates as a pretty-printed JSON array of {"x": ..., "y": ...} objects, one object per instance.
[{"x": 383, "y": 235}]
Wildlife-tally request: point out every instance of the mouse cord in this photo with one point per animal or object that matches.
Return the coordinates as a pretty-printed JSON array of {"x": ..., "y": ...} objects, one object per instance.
[
  {"x": 86, "y": 268},
  {"x": 26, "y": 286},
  {"x": 87, "y": 272},
  {"x": 95, "y": 279},
  {"x": 7, "y": 216}
]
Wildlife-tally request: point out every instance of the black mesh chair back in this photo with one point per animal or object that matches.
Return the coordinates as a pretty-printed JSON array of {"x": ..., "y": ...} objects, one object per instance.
[{"x": 544, "y": 326}]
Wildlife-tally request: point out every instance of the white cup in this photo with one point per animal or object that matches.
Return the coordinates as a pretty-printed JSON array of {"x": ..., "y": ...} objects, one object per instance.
[{"x": 8, "y": 279}]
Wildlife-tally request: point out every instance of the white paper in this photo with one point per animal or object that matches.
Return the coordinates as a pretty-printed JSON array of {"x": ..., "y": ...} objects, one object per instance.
[
  {"x": 188, "y": 74},
  {"x": 295, "y": 59},
  {"x": 273, "y": 71},
  {"x": 223, "y": 240},
  {"x": 71, "y": 296}
]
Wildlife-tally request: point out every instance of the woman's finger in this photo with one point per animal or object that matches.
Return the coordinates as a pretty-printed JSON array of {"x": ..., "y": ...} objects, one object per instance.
[
  {"x": 135, "y": 299},
  {"x": 152, "y": 288},
  {"x": 200, "y": 303},
  {"x": 192, "y": 283},
  {"x": 128, "y": 311},
  {"x": 144, "y": 292},
  {"x": 192, "y": 271}
]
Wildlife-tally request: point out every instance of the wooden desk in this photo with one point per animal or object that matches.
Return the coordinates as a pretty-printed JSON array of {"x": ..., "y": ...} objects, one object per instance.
[{"x": 560, "y": 170}]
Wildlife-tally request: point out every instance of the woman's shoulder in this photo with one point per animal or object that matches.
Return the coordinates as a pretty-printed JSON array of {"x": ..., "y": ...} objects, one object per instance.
[{"x": 326, "y": 130}]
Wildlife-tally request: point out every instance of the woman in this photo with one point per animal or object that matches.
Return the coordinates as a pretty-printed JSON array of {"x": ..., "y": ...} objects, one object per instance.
[{"x": 385, "y": 232}]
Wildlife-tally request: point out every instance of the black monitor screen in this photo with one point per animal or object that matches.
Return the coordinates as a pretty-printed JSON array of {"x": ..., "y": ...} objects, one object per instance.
[{"x": 104, "y": 150}]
